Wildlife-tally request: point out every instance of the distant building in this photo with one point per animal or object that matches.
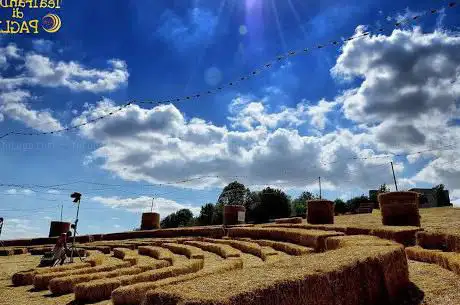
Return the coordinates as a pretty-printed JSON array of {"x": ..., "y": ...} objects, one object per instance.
[{"x": 429, "y": 198}]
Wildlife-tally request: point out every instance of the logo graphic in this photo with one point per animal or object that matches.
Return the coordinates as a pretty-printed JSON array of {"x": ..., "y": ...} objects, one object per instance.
[{"x": 51, "y": 23}]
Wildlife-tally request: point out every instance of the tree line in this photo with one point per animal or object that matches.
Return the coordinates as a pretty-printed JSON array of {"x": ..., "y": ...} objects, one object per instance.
[
  {"x": 261, "y": 206},
  {"x": 268, "y": 204}
]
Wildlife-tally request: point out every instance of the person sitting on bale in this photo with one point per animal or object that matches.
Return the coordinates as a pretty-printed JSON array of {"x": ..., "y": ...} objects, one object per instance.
[{"x": 60, "y": 248}]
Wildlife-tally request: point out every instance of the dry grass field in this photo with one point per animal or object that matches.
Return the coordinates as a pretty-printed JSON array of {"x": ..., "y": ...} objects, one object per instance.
[{"x": 356, "y": 260}]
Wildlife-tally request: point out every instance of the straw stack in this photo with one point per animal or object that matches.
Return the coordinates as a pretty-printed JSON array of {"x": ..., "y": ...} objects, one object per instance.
[
  {"x": 400, "y": 208},
  {"x": 320, "y": 212}
]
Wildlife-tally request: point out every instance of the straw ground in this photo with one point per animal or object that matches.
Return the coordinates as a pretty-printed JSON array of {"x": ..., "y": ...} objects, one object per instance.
[{"x": 431, "y": 284}]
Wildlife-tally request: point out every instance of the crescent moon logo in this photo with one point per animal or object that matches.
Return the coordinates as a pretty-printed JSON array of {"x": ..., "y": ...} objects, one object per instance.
[{"x": 51, "y": 23}]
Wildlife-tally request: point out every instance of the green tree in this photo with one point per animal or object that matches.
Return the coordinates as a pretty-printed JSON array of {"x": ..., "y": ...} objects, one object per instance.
[
  {"x": 272, "y": 203},
  {"x": 181, "y": 218},
  {"x": 251, "y": 206},
  {"x": 206, "y": 215},
  {"x": 218, "y": 216},
  {"x": 299, "y": 205},
  {"x": 340, "y": 207},
  {"x": 442, "y": 197},
  {"x": 354, "y": 203},
  {"x": 374, "y": 196},
  {"x": 234, "y": 194},
  {"x": 169, "y": 221},
  {"x": 384, "y": 188}
]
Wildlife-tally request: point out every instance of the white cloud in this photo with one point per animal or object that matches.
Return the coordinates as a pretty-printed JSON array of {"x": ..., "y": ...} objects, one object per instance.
[
  {"x": 408, "y": 99},
  {"x": 21, "y": 191},
  {"x": 404, "y": 102},
  {"x": 249, "y": 113},
  {"x": 42, "y": 45},
  {"x": 43, "y": 71},
  {"x": 19, "y": 228},
  {"x": 41, "y": 120},
  {"x": 188, "y": 148},
  {"x": 406, "y": 75},
  {"x": 318, "y": 113},
  {"x": 39, "y": 70},
  {"x": 144, "y": 203},
  {"x": 11, "y": 51},
  {"x": 53, "y": 192}
]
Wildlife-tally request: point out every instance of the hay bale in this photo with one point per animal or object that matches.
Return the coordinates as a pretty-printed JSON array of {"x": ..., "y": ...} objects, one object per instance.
[
  {"x": 19, "y": 251},
  {"x": 334, "y": 277},
  {"x": 320, "y": 212},
  {"x": 215, "y": 231},
  {"x": 289, "y": 220},
  {"x": 101, "y": 289},
  {"x": 158, "y": 253},
  {"x": 403, "y": 235},
  {"x": 40, "y": 250},
  {"x": 315, "y": 239},
  {"x": 132, "y": 260},
  {"x": 95, "y": 260},
  {"x": 134, "y": 294},
  {"x": 102, "y": 249},
  {"x": 224, "y": 251},
  {"x": 248, "y": 247},
  {"x": 352, "y": 230},
  {"x": 432, "y": 240},
  {"x": 291, "y": 249},
  {"x": 150, "y": 221},
  {"x": 362, "y": 241},
  {"x": 447, "y": 260},
  {"x": 453, "y": 242},
  {"x": 24, "y": 278},
  {"x": 121, "y": 252},
  {"x": 6, "y": 252},
  {"x": 68, "y": 284},
  {"x": 324, "y": 227},
  {"x": 191, "y": 266},
  {"x": 400, "y": 208},
  {"x": 41, "y": 281},
  {"x": 189, "y": 251},
  {"x": 234, "y": 215}
]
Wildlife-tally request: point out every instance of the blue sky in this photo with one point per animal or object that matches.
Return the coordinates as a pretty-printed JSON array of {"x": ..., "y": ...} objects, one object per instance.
[{"x": 341, "y": 112}]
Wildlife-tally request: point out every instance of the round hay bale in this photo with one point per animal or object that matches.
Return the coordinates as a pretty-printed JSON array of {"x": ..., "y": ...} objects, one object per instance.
[
  {"x": 400, "y": 208},
  {"x": 234, "y": 215},
  {"x": 150, "y": 221},
  {"x": 58, "y": 227},
  {"x": 320, "y": 212}
]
